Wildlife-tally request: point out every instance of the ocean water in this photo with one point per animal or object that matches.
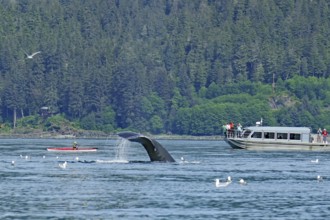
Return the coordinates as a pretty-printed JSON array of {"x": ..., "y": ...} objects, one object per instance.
[{"x": 119, "y": 182}]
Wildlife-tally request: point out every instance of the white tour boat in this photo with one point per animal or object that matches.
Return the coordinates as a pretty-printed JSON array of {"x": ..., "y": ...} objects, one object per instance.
[{"x": 276, "y": 138}]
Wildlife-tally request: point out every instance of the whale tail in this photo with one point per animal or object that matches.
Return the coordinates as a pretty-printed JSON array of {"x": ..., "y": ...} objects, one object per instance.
[{"x": 154, "y": 149}]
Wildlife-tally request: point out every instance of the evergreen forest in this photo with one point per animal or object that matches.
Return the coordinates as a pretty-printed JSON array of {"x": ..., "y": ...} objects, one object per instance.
[{"x": 181, "y": 67}]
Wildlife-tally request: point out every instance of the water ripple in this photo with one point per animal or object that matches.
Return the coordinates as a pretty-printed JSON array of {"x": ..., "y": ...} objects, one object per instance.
[{"x": 123, "y": 184}]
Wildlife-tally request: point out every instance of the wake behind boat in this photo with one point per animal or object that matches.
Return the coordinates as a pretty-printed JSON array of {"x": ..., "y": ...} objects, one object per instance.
[
  {"x": 71, "y": 150},
  {"x": 276, "y": 138}
]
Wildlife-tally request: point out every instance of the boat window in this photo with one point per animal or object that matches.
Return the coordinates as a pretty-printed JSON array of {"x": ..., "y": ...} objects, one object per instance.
[
  {"x": 269, "y": 135},
  {"x": 246, "y": 133},
  {"x": 294, "y": 136},
  {"x": 282, "y": 136},
  {"x": 256, "y": 135}
]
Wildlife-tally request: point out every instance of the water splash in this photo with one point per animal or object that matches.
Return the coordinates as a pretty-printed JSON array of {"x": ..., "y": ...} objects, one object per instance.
[{"x": 121, "y": 151}]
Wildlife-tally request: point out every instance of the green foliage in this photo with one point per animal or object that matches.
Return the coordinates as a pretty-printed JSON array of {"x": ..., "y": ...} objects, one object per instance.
[
  {"x": 5, "y": 128},
  {"x": 88, "y": 122},
  {"x": 322, "y": 120},
  {"x": 184, "y": 67},
  {"x": 33, "y": 121},
  {"x": 104, "y": 121},
  {"x": 156, "y": 125},
  {"x": 58, "y": 123}
]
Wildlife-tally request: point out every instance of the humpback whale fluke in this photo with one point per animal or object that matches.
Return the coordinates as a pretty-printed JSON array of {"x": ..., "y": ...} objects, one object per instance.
[{"x": 154, "y": 149}]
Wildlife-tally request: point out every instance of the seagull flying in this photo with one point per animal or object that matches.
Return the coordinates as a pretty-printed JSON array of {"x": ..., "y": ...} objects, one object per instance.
[{"x": 32, "y": 55}]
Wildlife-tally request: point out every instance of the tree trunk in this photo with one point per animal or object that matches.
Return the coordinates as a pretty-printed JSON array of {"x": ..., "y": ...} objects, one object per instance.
[{"x": 14, "y": 118}]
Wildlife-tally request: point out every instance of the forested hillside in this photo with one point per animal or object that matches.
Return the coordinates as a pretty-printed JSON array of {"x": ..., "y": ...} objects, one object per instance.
[{"x": 165, "y": 66}]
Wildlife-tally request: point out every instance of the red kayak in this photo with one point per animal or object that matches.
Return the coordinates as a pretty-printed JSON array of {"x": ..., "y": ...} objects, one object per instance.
[{"x": 71, "y": 150}]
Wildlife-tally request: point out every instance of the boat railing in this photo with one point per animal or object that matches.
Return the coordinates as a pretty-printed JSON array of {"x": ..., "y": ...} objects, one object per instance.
[{"x": 233, "y": 133}]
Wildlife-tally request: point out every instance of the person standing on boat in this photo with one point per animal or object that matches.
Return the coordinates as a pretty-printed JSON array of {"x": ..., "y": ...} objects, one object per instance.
[
  {"x": 232, "y": 129},
  {"x": 239, "y": 130},
  {"x": 224, "y": 129},
  {"x": 325, "y": 135},
  {"x": 228, "y": 130},
  {"x": 319, "y": 135},
  {"x": 74, "y": 146}
]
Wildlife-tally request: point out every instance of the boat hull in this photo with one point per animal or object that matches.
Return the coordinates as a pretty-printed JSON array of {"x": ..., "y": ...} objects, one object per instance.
[
  {"x": 71, "y": 150},
  {"x": 241, "y": 143}
]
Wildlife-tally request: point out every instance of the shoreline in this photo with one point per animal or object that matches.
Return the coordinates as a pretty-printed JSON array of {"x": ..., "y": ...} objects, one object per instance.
[{"x": 87, "y": 135}]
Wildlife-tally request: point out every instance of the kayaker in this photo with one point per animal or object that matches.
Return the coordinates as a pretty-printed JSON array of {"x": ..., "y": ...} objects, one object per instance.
[{"x": 74, "y": 146}]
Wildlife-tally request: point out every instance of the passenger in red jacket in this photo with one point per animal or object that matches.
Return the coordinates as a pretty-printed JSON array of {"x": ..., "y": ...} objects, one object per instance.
[
  {"x": 325, "y": 135},
  {"x": 231, "y": 125}
]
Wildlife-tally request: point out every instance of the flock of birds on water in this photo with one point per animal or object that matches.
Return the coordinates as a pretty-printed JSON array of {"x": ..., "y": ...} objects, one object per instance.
[
  {"x": 226, "y": 183},
  {"x": 218, "y": 182},
  {"x": 60, "y": 165}
]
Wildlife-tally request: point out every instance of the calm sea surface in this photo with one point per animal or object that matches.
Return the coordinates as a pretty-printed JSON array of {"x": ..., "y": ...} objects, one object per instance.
[{"x": 119, "y": 182}]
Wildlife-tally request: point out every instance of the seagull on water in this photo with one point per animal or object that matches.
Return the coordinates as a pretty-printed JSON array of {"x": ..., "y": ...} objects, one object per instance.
[
  {"x": 63, "y": 165},
  {"x": 315, "y": 161},
  {"x": 222, "y": 184},
  {"x": 13, "y": 163},
  {"x": 242, "y": 182},
  {"x": 319, "y": 178},
  {"x": 30, "y": 56}
]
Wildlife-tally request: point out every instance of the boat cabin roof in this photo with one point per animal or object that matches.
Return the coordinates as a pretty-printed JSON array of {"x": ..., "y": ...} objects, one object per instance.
[{"x": 279, "y": 129}]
